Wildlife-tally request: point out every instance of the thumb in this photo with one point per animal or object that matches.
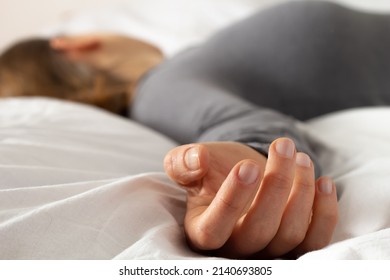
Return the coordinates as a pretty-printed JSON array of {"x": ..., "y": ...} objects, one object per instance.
[{"x": 187, "y": 164}]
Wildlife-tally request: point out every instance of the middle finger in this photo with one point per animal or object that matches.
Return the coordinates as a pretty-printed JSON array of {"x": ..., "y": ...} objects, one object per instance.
[{"x": 262, "y": 221}]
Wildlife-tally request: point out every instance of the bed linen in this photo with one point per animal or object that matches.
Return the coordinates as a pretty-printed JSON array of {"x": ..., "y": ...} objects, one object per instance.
[
  {"x": 353, "y": 147},
  {"x": 77, "y": 182}
]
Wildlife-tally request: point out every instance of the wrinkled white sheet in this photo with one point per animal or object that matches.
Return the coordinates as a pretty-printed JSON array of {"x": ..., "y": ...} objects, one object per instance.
[
  {"x": 354, "y": 148},
  {"x": 74, "y": 182},
  {"x": 80, "y": 183}
]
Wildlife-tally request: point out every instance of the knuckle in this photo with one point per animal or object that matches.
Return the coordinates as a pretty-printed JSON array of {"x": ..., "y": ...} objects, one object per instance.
[
  {"x": 229, "y": 205},
  {"x": 306, "y": 187},
  {"x": 293, "y": 237},
  {"x": 278, "y": 180},
  {"x": 261, "y": 237},
  {"x": 330, "y": 218},
  {"x": 206, "y": 239},
  {"x": 305, "y": 181}
]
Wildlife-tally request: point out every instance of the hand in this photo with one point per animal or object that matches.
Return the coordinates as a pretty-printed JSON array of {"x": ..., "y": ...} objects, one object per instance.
[{"x": 241, "y": 205}]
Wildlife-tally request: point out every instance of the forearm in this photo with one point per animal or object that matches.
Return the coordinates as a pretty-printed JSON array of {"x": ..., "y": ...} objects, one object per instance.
[{"x": 189, "y": 109}]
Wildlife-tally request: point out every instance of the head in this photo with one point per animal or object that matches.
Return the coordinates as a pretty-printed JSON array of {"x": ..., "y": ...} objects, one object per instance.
[{"x": 33, "y": 68}]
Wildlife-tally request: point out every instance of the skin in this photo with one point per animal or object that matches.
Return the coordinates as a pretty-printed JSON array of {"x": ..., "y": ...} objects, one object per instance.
[{"x": 240, "y": 204}]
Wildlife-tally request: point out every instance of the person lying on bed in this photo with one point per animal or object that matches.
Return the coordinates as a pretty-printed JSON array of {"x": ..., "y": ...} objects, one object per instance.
[{"x": 235, "y": 103}]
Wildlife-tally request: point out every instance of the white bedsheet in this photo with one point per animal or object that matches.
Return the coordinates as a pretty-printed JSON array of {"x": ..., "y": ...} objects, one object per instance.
[
  {"x": 354, "y": 148},
  {"x": 80, "y": 183},
  {"x": 65, "y": 174}
]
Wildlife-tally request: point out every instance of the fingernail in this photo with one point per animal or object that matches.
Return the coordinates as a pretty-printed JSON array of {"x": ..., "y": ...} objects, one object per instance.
[
  {"x": 285, "y": 148},
  {"x": 248, "y": 173},
  {"x": 303, "y": 160},
  {"x": 325, "y": 186},
  {"x": 191, "y": 159}
]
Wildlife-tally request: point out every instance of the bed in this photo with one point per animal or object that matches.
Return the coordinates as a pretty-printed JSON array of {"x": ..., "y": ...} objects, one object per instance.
[{"x": 77, "y": 182}]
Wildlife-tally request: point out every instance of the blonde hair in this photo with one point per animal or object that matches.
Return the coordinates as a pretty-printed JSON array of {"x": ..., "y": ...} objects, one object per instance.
[{"x": 32, "y": 68}]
